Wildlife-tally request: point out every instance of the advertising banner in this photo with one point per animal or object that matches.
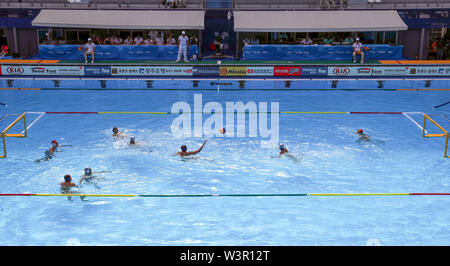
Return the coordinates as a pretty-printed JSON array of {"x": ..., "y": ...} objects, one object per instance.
[
  {"x": 428, "y": 71},
  {"x": 344, "y": 71},
  {"x": 320, "y": 52},
  {"x": 97, "y": 71},
  {"x": 151, "y": 71},
  {"x": 260, "y": 71},
  {"x": 233, "y": 71},
  {"x": 27, "y": 70},
  {"x": 287, "y": 71},
  {"x": 314, "y": 72},
  {"x": 114, "y": 52},
  {"x": 206, "y": 71},
  {"x": 389, "y": 71}
]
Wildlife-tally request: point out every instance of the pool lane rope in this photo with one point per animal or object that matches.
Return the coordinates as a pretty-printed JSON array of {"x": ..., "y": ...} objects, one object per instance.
[
  {"x": 178, "y": 113},
  {"x": 224, "y": 195},
  {"x": 440, "y": 105}
]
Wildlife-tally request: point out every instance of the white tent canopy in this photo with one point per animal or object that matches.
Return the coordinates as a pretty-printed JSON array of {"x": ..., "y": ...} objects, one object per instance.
[
  {"x": 121, "y": 19},
  {"x": 317, "y": 21}
]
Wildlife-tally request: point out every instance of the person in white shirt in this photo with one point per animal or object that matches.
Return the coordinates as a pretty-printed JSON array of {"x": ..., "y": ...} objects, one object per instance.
[
  {"x": 117, "y": 40},
  {"x": 169, "y": 3},
  {"x": 357, "y": 50},
  {"x": 183, "y": 42},
  {"x": 181, "y": 3},
  {"x": 307, "y": 41},
  {"x": 138, "y": 40},
  {"x": 171, "y": 40},
  {"x": 152, "y": 34},
  {"x": 159, "y": 40},
  {"x": 149, "y": 41},
  {"x": 128, "y": 41},
  {"x": 89, "y": 48}
]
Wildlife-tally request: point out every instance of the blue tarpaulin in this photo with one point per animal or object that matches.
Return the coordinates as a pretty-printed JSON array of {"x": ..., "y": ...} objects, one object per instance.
[
  {"x": 319, "y": 52},
  {"x": 114, "y": 52}
]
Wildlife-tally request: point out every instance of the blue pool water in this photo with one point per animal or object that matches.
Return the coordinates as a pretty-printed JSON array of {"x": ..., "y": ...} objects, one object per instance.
[{"x": 399, "y": 160}]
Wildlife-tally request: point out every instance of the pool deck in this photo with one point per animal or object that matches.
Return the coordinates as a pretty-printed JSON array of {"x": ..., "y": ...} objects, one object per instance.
[
  {"x": 225, "y": 62},
  {"x": 224, "y": 69}
]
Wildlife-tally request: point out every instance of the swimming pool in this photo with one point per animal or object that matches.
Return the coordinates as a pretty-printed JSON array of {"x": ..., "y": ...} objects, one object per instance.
[{"x": 399, "y": 160}]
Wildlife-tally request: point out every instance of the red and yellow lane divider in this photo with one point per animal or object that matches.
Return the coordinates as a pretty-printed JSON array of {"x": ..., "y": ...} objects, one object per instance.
[
  {"x": 169, "y": 113},
  {"x": 415, "y": 62},
  {"x": 224, "y": 195},
  {"x": 28, "y": 61}
]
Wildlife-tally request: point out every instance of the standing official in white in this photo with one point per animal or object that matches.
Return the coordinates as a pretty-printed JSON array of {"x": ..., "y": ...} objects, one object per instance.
[{"x": 183, "y": 42}]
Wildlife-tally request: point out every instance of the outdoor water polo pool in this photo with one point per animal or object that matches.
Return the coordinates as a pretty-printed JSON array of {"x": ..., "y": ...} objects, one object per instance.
[{"x": 398, "y": 160}]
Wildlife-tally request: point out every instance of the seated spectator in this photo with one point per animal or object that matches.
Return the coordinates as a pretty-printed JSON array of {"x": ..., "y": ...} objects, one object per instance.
[
  {"x": 168, "y": 3},
  {"x": 254, "y": 41},
  {"x": 348, "y": 39},
  {"x": 180, "y": 3},
  {"x": 307, "y": 41},
  {"x": 159, "y": 40},
  {"x": 117, "y": 40},
  {"x": 218, "y": 45},
  {"x": 128, "y": 41},
  {"x": 97, "y": 40},
  {"x": 246, "y": 41},
  {"x": 224, "y": 35},
  {"x": 283, "y": 37},
  {"x": 138, "y": 40},
  {"x": 357, "y": 50},
  {"x": 433, "y": 50},
  {"x": 193, "y": 40},
  {"x": 108, "y": 40},
  {"x": 171, "y": 40},
  {"x": 4, "y": 50},
  {"x": 327, "y": 40},
  {"x": 149, "y": 41},
  {"x": 153, "y": 34}
]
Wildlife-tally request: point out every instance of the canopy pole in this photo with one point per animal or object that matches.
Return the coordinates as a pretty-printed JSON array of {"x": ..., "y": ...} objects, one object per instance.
[
  {"x": 200, "y": 40},
  {"x": 237, "y": 45},
  {"x": 422, "y": 36}
]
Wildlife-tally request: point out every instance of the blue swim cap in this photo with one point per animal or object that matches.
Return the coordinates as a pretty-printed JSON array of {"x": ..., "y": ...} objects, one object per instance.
[
  {"x": 88, "y": 171},
  {"x": 184, "y": 148},
  {"x": 282, "y": 146},
  {"x": 67, "y": 178}
]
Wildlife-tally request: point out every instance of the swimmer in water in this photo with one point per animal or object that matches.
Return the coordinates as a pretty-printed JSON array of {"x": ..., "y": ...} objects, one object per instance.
[
  {"x": 57, "y": 145},
  {"x": 89, "y": 177},
  {"x": 362, "y": 136},
  {"x": 184, "y": 151},
  {"x": 141, "y": 145},
  {"x": 284, "y": 151},
  {"x": 117, "y": 133},
  {"x": 50, "y": 153},
  {"x": 67, "y": 185}
]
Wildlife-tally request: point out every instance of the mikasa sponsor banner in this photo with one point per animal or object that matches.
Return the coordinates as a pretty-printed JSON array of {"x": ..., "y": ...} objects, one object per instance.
[
  {"x": 20, "y": 70},
  {"x": 345, "y": 71},
  {"x": 150, "y": 71}
]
